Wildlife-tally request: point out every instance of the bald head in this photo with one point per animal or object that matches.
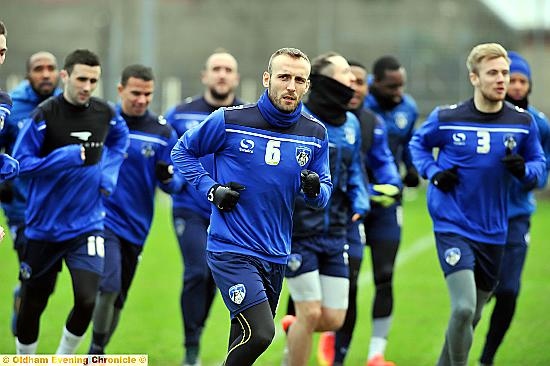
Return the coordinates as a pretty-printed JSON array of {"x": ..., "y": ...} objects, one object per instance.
[
  {"x": 221, "y": 57},
  {"x": 220, "y": 77},
  {"x": 42, "y": 73}
]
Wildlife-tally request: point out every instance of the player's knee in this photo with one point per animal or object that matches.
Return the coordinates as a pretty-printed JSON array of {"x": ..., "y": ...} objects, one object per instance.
[
  {"x": 463, "y": 314},
  {"x": 195, "y": 274},
  {"x": 85, "y": 302},
  {"x": 383, "y": 277},
  {"x": 334, "y": 321},
  {"x": 310, "y": 314},
  {"x": 262, "y": 337}
]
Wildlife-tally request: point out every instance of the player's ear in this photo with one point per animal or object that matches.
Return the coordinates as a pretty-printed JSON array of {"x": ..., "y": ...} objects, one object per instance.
[
  {"x": 265, "y": 79},
  {"x": 474, "y": 79},
  {"x": 64, "y": 75}
]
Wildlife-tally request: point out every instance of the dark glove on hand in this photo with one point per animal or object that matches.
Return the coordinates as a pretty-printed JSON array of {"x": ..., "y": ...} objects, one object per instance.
[
  {"x": 514, "y": 163},
  {"x": 164, "y": 171},
  {"x": 226, "y": 196},
  {"x": 92, "y": 152},
  {"x": 445, "y": 180},
  {"x": 311, "y": 185},
  {"x": 6, "y": 192},
  {"x": 411, "y": 179}
]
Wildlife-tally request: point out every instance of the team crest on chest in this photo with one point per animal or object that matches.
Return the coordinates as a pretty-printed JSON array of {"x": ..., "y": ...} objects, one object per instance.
[
  {"x": 401, "y": 120},
  {"x": 510, "y": 142},
  {"x": 350, "y": 135},
  {"x": 237, "y": 293},
  {"x": 303, "y": 154},
  {"x": 147, "y": 150}
]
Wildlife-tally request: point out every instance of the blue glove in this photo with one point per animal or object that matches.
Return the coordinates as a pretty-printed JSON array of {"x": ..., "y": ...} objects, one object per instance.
[
  {"x": 5, "y": 107},
  {"x": 9, "y": 167}
]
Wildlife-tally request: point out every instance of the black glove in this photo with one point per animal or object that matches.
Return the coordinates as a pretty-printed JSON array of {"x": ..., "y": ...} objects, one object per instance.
[
  {"x": 311, "y": 185},
  {"x": 445, "y": 180},
  {"x": 164, "y": 171},
  {"x": 411, "y": 179},
  {"x": 226, "y": 196},
  {"x": 6, "y": 192},
  {"x": 92, "y": 152},
  {"x": 514, "y": 163}
]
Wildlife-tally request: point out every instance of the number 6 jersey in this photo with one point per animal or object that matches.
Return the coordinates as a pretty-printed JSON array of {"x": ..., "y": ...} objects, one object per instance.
[{"x": 267, "y": 159}]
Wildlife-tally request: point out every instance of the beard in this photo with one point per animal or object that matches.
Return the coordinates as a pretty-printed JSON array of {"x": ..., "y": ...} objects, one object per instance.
[
  {"x": 285, "y": 108},
  {"x": 219, "y": 96},
  {"x": 386, "y": 103}
]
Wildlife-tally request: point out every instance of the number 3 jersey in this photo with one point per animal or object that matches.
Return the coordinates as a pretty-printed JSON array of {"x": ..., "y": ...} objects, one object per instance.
[
  {"x": 475, "y": 143},
  {"x": 251, "y": 150}
]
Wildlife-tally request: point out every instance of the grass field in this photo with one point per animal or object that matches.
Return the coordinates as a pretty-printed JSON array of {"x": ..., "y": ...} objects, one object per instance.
[{"x": 151, "y": 321}]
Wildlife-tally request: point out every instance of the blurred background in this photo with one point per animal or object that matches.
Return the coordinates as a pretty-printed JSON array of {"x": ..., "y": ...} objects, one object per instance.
[{"x": 431, "y": 38}]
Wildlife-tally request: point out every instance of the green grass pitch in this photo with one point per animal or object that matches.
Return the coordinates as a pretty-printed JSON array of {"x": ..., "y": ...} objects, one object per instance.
[{"x": 151, "y": 321}]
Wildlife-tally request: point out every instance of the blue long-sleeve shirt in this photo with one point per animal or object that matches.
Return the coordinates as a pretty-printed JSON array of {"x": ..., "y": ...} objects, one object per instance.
[
  {"x": 379, "y": 161},
  {"x": 253, "y": 151},
  {"x": 129, "y": 210},
  {"x": 64, "y": 198},
  {"x": 349, "y": 194},
  {"x": 25, "y": 100},
  {"x": 399, "y": 122},
  {"x": 475, "y": 143}
]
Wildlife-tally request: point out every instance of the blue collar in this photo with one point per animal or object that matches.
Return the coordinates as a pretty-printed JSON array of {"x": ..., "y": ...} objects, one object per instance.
[{"x": 274, "y": 116}]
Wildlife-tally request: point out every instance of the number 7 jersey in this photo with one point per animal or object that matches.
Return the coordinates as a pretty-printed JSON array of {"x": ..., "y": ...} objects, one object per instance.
[
  {"x": 267, "y": 160},
  {"x": 475, "y": 143}
]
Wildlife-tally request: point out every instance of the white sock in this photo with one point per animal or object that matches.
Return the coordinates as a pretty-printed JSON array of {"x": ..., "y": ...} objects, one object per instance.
[
  {"x": 69, "y": 343},
  {"x": 377, "y": 346},
  {"x": 25, "y": 349}
]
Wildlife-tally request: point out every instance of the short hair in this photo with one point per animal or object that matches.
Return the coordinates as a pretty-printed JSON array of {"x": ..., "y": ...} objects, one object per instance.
[
  {"x": 356, "y": 64},
  {"x": 136, "y": 71},
  {"x": 383, "y": 64},
  {"x": 485, "y": 51},
  {"x": 83, "y": 57},
  {"x": 321, "y": 64},
  {"x": 29, "y": 61},
  {"x": 289, "y": 51},
  {"x": 3, "y": 29}
]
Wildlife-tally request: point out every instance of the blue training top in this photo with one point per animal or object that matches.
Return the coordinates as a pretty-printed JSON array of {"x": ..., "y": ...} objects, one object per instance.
[
  {"x": 265, "y": 150},
  {"x": 475, "y": 143}
]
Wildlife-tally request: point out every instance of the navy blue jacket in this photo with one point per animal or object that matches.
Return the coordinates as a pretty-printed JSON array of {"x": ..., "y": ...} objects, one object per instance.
[{"x": 130, "y": 208}]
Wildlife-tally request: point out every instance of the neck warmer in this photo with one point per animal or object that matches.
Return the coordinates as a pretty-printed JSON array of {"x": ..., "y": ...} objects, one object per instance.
[
  {"x": 385, "y": 103},
  {"x": 522, "y": 103},
  {"x": 329, "y": 99},
  {"x": 276, "y": 117}
]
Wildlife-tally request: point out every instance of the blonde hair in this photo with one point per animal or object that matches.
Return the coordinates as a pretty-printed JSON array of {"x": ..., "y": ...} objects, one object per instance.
[{"x": 485, "y": 51}]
